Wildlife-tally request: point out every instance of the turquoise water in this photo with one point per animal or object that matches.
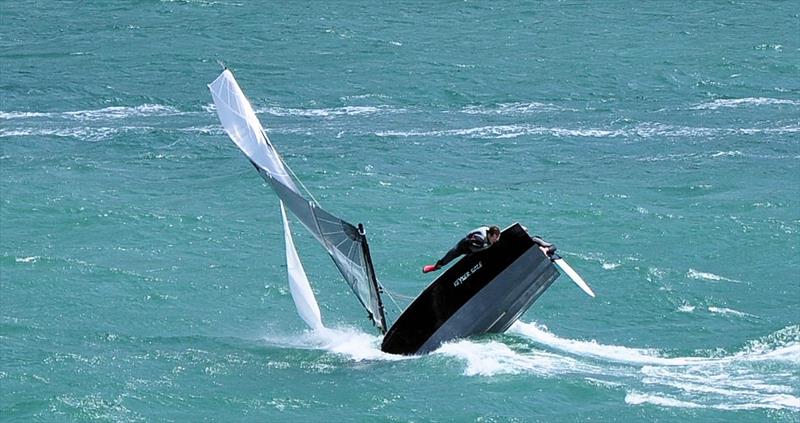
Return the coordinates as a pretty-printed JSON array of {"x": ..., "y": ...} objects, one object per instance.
[{"x": 142, "y": 267}]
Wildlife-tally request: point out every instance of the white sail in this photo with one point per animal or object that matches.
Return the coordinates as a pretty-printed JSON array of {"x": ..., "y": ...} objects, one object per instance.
[
  {"x": 240, "y": 122},
  {"x": 346, "y": 244},
  {"x": 303, "y": 296}
]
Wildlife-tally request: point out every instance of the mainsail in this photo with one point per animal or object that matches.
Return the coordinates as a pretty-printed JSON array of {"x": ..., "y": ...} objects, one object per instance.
[{"x": 346, "y": 244}]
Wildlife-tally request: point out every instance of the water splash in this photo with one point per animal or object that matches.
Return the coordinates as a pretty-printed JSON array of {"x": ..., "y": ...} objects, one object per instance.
[{"x": 754, "y": 378}]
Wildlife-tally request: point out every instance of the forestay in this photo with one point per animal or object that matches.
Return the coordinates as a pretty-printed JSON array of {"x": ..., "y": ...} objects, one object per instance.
[{"x": 343, "y": 241}]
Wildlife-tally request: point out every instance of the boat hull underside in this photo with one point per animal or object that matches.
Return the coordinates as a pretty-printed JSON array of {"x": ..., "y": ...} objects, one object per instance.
[{"x": 485, "y": 292}]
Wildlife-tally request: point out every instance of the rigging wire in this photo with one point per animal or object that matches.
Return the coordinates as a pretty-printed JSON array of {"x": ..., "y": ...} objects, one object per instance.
[
  {"x": 286, "y": 166},
  {"x": 391, "y": 297}
]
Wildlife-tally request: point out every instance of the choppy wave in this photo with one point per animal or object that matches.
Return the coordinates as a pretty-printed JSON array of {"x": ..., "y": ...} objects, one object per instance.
[
  {"x": 106, "y": 113},
  {"x": 96, "y": 407},
  {"x": 348, "y": 342},
  {"x": 31, "y": 259},
  {"x": 729, "y": 311},
  {"x": 695, "y": 274},
  {"x": 329, "y": 112},
  {"x": 728, "y": 382},
  {"x": 648, "y": 130},
  {"x": 734, "y": 153},
  {"x": 638, "y": 398},
  {"x": 743, "y": 102},
  {"x": 735, "y": 381},
  {"x": 82, "y": 132},
  {"x": 512, "y": 109},
  {"x": 493, "y": 358},
  {"x": 204, "y": 3}
]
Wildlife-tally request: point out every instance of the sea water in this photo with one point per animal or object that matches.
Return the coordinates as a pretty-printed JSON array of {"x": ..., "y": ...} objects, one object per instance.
[{"x": 142, "y": 272}]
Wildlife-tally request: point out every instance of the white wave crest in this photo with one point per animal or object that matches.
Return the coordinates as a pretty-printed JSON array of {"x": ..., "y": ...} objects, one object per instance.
[
  {"x": 645, "y": 130},
  {"x": 740, "y": 102},
  {"x": 92, "y": 134},
  {"x": 724, "y": 310},
  {"x": 505, "y": 131},
  {"x": 493, "y": 358},
  {"x": 511, "y": 109},
  {"x": 32, "y": 259},
  {"x": 85, "y": 133},
  {"x": 349, "y": 342},
  {"x": 329, "y": 112},
  {"x": 734, "y": 153},
  {"x": 614, "y": 353},
  {"x": 728, "y": 382},
  {"x": 638, "y": 398},
  {"x": 22, "y": 115},
  {"x": 106, "y": 113},
  {"x": 695, "y": 274},
  {"x": 121, "y": 112}
]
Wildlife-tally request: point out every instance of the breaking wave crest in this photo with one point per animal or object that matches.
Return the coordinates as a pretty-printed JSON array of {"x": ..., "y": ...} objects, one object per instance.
[
  {"x": 330, "y": 112},
  {"x": 746, "y": 380},
  {"x": 762, "y": 375},
  {"x": 106, "y": 113},
  {"x": 348, "y": 342},
  {"x": 648, "y": 130},
  {"x": 517, "y": 108},
  {"x": 744, "y": 102},
  {"x": 695, "y": 274}
]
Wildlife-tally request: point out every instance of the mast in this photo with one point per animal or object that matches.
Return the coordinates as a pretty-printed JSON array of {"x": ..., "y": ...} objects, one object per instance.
[{"x": 372, "y": 277}]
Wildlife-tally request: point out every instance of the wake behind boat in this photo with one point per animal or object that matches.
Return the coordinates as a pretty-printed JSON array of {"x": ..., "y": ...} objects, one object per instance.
[{"x": 483, "y": 292}]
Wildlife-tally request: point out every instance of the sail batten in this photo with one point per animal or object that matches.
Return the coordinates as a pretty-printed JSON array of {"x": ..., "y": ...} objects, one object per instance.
[{"x": 344, "y": 242}]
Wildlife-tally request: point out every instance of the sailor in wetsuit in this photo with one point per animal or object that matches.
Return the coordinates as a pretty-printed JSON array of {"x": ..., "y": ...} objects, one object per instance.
[
  {"x": 481, "y": 239},
  {"x": 477, "y": 240}
]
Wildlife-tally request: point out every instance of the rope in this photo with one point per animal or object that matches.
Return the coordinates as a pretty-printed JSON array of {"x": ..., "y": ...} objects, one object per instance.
[{"x": 399, "y": 310}]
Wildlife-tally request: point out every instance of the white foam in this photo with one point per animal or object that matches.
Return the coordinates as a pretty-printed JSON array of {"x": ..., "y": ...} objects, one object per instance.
[
  {"x": 740, "y": 102},
  {"x": 645, "y": 130},
  {"x": 106, "y": 113},
  {"x": 724, "y": 310},
  {"x": 694, "y": 274},
  {"x": 734, "y": 387},
  {"x": 733, "y": 153},
  {"x": 598, "y": 257},
  {"x": 85, "y": 133},
  {"x": 726, "y": 382},
  {"x": 349, "y": 342},
  {"x": 121, "y": 112},
  {"x": 511, "y": 109},
  {"x": 505, "y": 131},
  {"x": 686, "y": 308},
  {"x": 729, "y": 382},
  {"x": 329, "y": 112},
  {"x": 638, "y": 398},
  {"x": 22, "y": 115},
  {"x": 493, "y": 358},
  {"x": 614, "y": 353},
  {"x": 31, "y": 259},
  {"x": 774, "y": 402}
]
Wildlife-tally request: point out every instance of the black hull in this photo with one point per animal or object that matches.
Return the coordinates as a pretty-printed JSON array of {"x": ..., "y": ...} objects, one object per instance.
[{"x": 484, "y": 292}]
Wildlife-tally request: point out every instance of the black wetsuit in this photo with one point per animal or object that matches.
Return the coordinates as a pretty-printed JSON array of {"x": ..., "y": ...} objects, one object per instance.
[{"x": 476, "y": 240}]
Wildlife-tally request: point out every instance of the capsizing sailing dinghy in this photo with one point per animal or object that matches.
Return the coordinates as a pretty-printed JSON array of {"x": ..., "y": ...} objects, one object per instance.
[{"x": 484, "y": 292}]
